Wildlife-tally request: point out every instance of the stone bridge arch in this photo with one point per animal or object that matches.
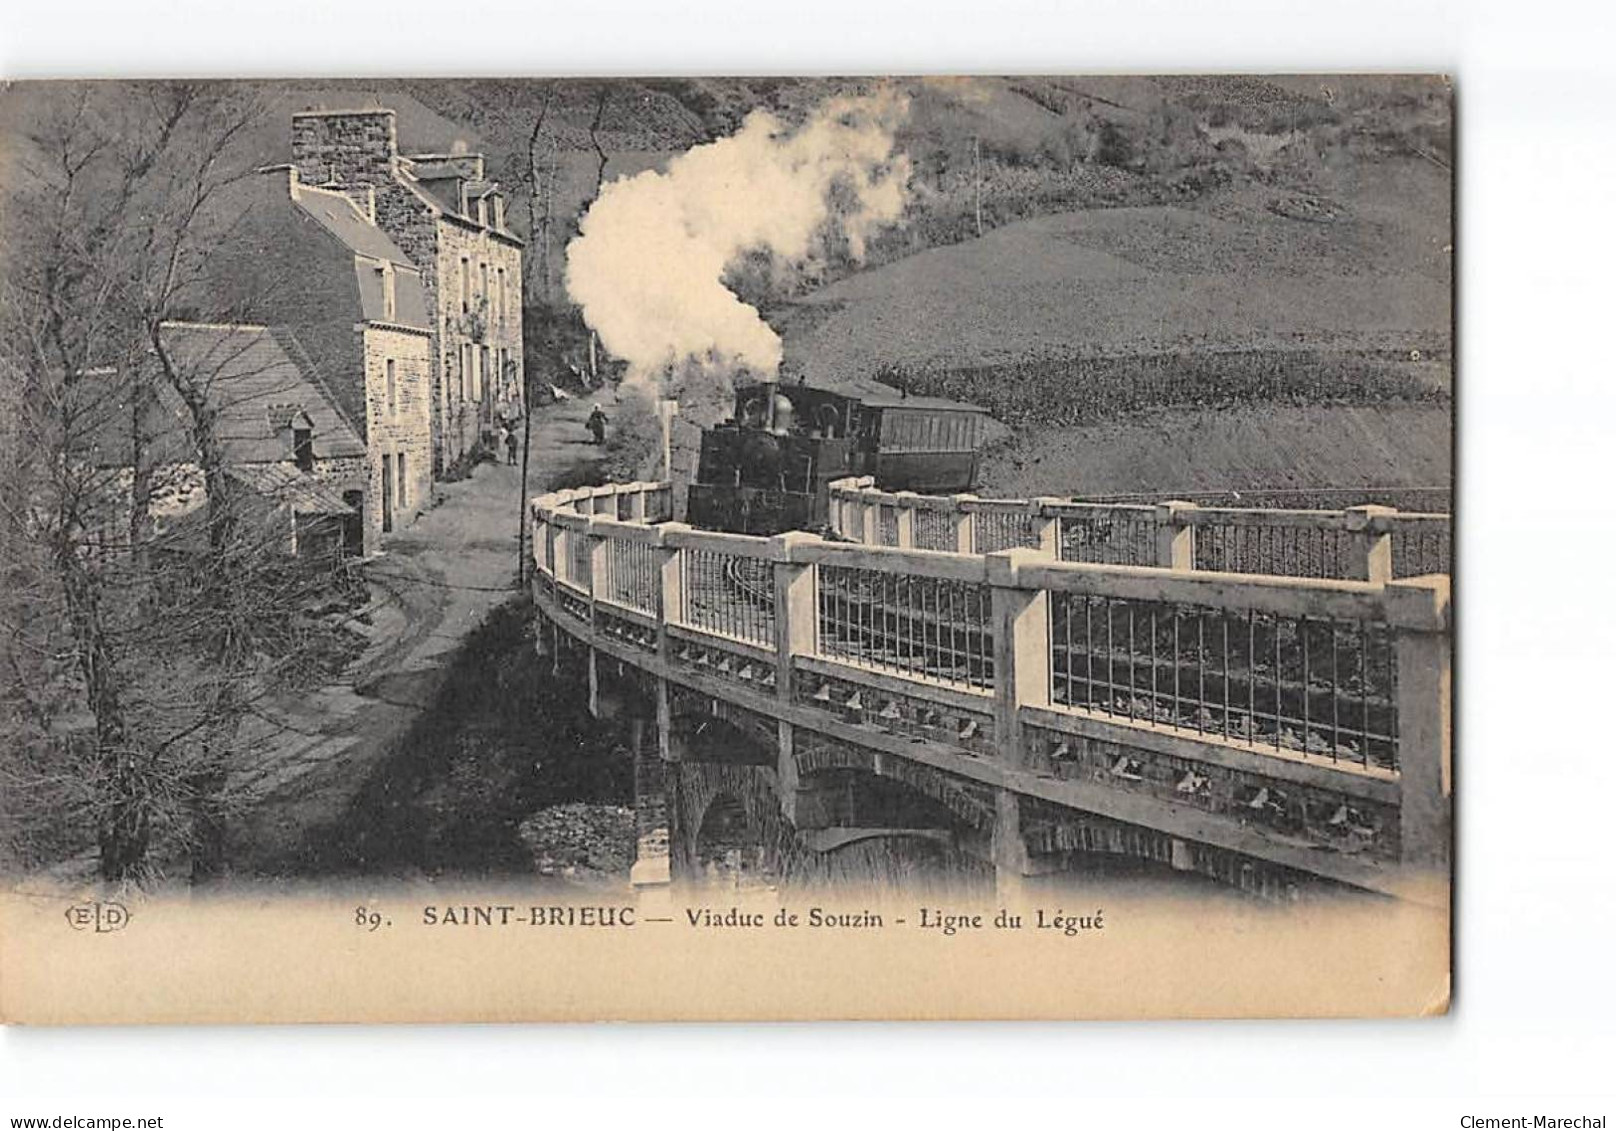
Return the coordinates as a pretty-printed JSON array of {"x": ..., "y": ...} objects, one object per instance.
[
  {"x": 968, "y": 802},
  {"x": 751, "y": 791}
]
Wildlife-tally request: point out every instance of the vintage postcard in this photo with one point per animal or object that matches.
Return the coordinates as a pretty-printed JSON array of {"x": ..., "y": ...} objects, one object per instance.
[{"x": 792, "y": 548}]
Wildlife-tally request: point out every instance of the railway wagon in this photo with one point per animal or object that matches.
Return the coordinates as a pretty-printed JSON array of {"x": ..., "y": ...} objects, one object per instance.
[{"x": 768, "y": 468}]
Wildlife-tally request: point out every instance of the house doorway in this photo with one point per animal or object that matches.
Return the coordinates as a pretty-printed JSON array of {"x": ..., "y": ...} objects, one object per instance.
[{"x": 353, "y": 525}]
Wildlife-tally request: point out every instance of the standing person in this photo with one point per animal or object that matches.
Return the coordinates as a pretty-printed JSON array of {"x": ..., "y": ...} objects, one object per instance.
[
  {"x": 597, "y": 424},
  {"x": 510, "y": 444},
  {"x": 500, "y": 439}
]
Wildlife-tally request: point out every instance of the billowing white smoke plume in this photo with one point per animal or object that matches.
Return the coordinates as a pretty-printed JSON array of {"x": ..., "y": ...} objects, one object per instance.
[{"x": 649, "y": 264}]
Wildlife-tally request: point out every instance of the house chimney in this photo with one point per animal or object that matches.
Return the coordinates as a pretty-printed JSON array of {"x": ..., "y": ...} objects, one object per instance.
[{"x": 345, "y": 148}]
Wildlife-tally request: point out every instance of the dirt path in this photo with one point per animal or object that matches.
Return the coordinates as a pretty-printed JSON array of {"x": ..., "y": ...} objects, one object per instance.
[{"x": 436, "y": 583}]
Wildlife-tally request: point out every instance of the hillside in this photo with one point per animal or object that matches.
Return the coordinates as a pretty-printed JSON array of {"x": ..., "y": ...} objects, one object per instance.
[
  {"x": 1258, "y": 338},
  {"x": 1234, "y": 271},
  {"x": 1283, "y": 456}
]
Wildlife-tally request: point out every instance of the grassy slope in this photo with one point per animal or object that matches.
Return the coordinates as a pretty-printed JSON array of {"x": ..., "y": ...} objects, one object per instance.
[
  {"x": 1192, "y": 452},
  {"x": 1226, "y": 272}
]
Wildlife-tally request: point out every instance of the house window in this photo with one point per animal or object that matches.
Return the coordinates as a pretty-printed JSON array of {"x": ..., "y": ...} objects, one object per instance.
[
  {"x": 483, "y": 294},
  {"x": 403, "y": 481},
  {"x": 483, "y": 384},
  {"x": 465, "y": 370},
  {"x": 389, "y": 294},
  {"x": 465, "y": 284},
  {"x": 303, "y": 448},
  {"x": 482, "y": 210},
  {"x": 392, "y": 388},
  {"x": 502, "y": 296}
]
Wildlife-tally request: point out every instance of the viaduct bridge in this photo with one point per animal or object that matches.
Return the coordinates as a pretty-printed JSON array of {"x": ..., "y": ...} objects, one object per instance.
[{"x": 1019, "y": 688}]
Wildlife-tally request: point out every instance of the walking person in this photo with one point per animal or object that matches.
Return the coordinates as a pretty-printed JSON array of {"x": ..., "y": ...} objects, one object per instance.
[
  {"x": 501, "y": 437},
  {"x": 597, "y": 425},
  {"x": 510, "y": 445}
]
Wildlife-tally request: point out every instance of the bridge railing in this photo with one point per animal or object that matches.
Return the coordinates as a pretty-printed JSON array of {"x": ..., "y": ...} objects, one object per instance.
[
  {"x": 1369, "y": 543},
  {"x": 1056, "y": 668}
]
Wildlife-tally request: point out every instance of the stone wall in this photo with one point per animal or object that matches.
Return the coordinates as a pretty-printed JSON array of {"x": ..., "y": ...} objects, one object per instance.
[
  {"x": 463, "y": 250},
  {"x": 437, "y": 245},
  {"x": 406, "y": 431},
  {"x": 347, "y": 473},
  {"x": 412, "y": 224}
]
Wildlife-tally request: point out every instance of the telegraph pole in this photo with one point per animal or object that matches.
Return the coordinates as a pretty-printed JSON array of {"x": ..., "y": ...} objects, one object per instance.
[{"x": 521, "y": 498}]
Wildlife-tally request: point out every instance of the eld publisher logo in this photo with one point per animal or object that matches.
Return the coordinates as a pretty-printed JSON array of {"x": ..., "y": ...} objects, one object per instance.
[{"x": 99, "y": 917}]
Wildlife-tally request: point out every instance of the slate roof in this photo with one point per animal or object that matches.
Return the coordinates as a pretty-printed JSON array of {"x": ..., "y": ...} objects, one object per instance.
[
  {"x": 252, "y": 371},
  {"x": 286, "y": 485},
  {"x": 341, "y": 217},
  {"x": 254, "y": 376}
]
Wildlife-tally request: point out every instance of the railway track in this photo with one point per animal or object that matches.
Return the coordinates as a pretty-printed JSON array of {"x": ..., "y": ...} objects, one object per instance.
[{"x": 899, "y": 636}]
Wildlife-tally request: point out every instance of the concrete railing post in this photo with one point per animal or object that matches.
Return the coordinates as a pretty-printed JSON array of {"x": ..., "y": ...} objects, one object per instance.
[
  {"x": 598, "y": 569},
  {"x": 1020, "y": 647},
  {"x": 869, "y": 531},
  {"x": 1047, "y": 525},
  {"x": 637, "y": 508},
  {"x": 560, "y": 542},
  {"x": 1020, "y": 679},
  {"x": 833, "y": 505},
  {"x": 670, "y": 608},
  {"x": 796, "y": 608},
  {"x": 1175, "y": 536},
  {"x": 964, "y": 524},
  {"x": 796, "y": 633},
  {"x": 599, "y": 563},
  {"x": 906, "y": 519},
  {"x": 1370, "y": 558},
  {"x": 1424, "y": 717},
  {"x": 847, "y": 505}
]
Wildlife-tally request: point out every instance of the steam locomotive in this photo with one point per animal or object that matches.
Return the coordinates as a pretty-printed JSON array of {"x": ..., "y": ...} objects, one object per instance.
[{"x": 768, "y": 468}]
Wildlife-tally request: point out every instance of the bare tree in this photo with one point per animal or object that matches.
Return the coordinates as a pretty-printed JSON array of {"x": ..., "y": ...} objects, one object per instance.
[
  {"x": 162, "y": 640},
  {"x": 594, "y": 141},
  {"x": 540, "y": 191}
]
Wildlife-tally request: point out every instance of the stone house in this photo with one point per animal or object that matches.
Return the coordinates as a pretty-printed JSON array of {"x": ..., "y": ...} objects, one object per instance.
[
  {"x": 445, "y": 214},
  {"x": 280, "y": 430},
  {"x": 311, "y": 260}
]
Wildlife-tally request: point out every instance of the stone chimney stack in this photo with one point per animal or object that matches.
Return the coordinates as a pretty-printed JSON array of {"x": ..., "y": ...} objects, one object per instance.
[{"x": 345, "y": 148}]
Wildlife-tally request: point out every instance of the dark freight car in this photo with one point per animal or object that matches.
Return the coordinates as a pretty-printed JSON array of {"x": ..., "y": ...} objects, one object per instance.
[{"x": 768, "y": 469}]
